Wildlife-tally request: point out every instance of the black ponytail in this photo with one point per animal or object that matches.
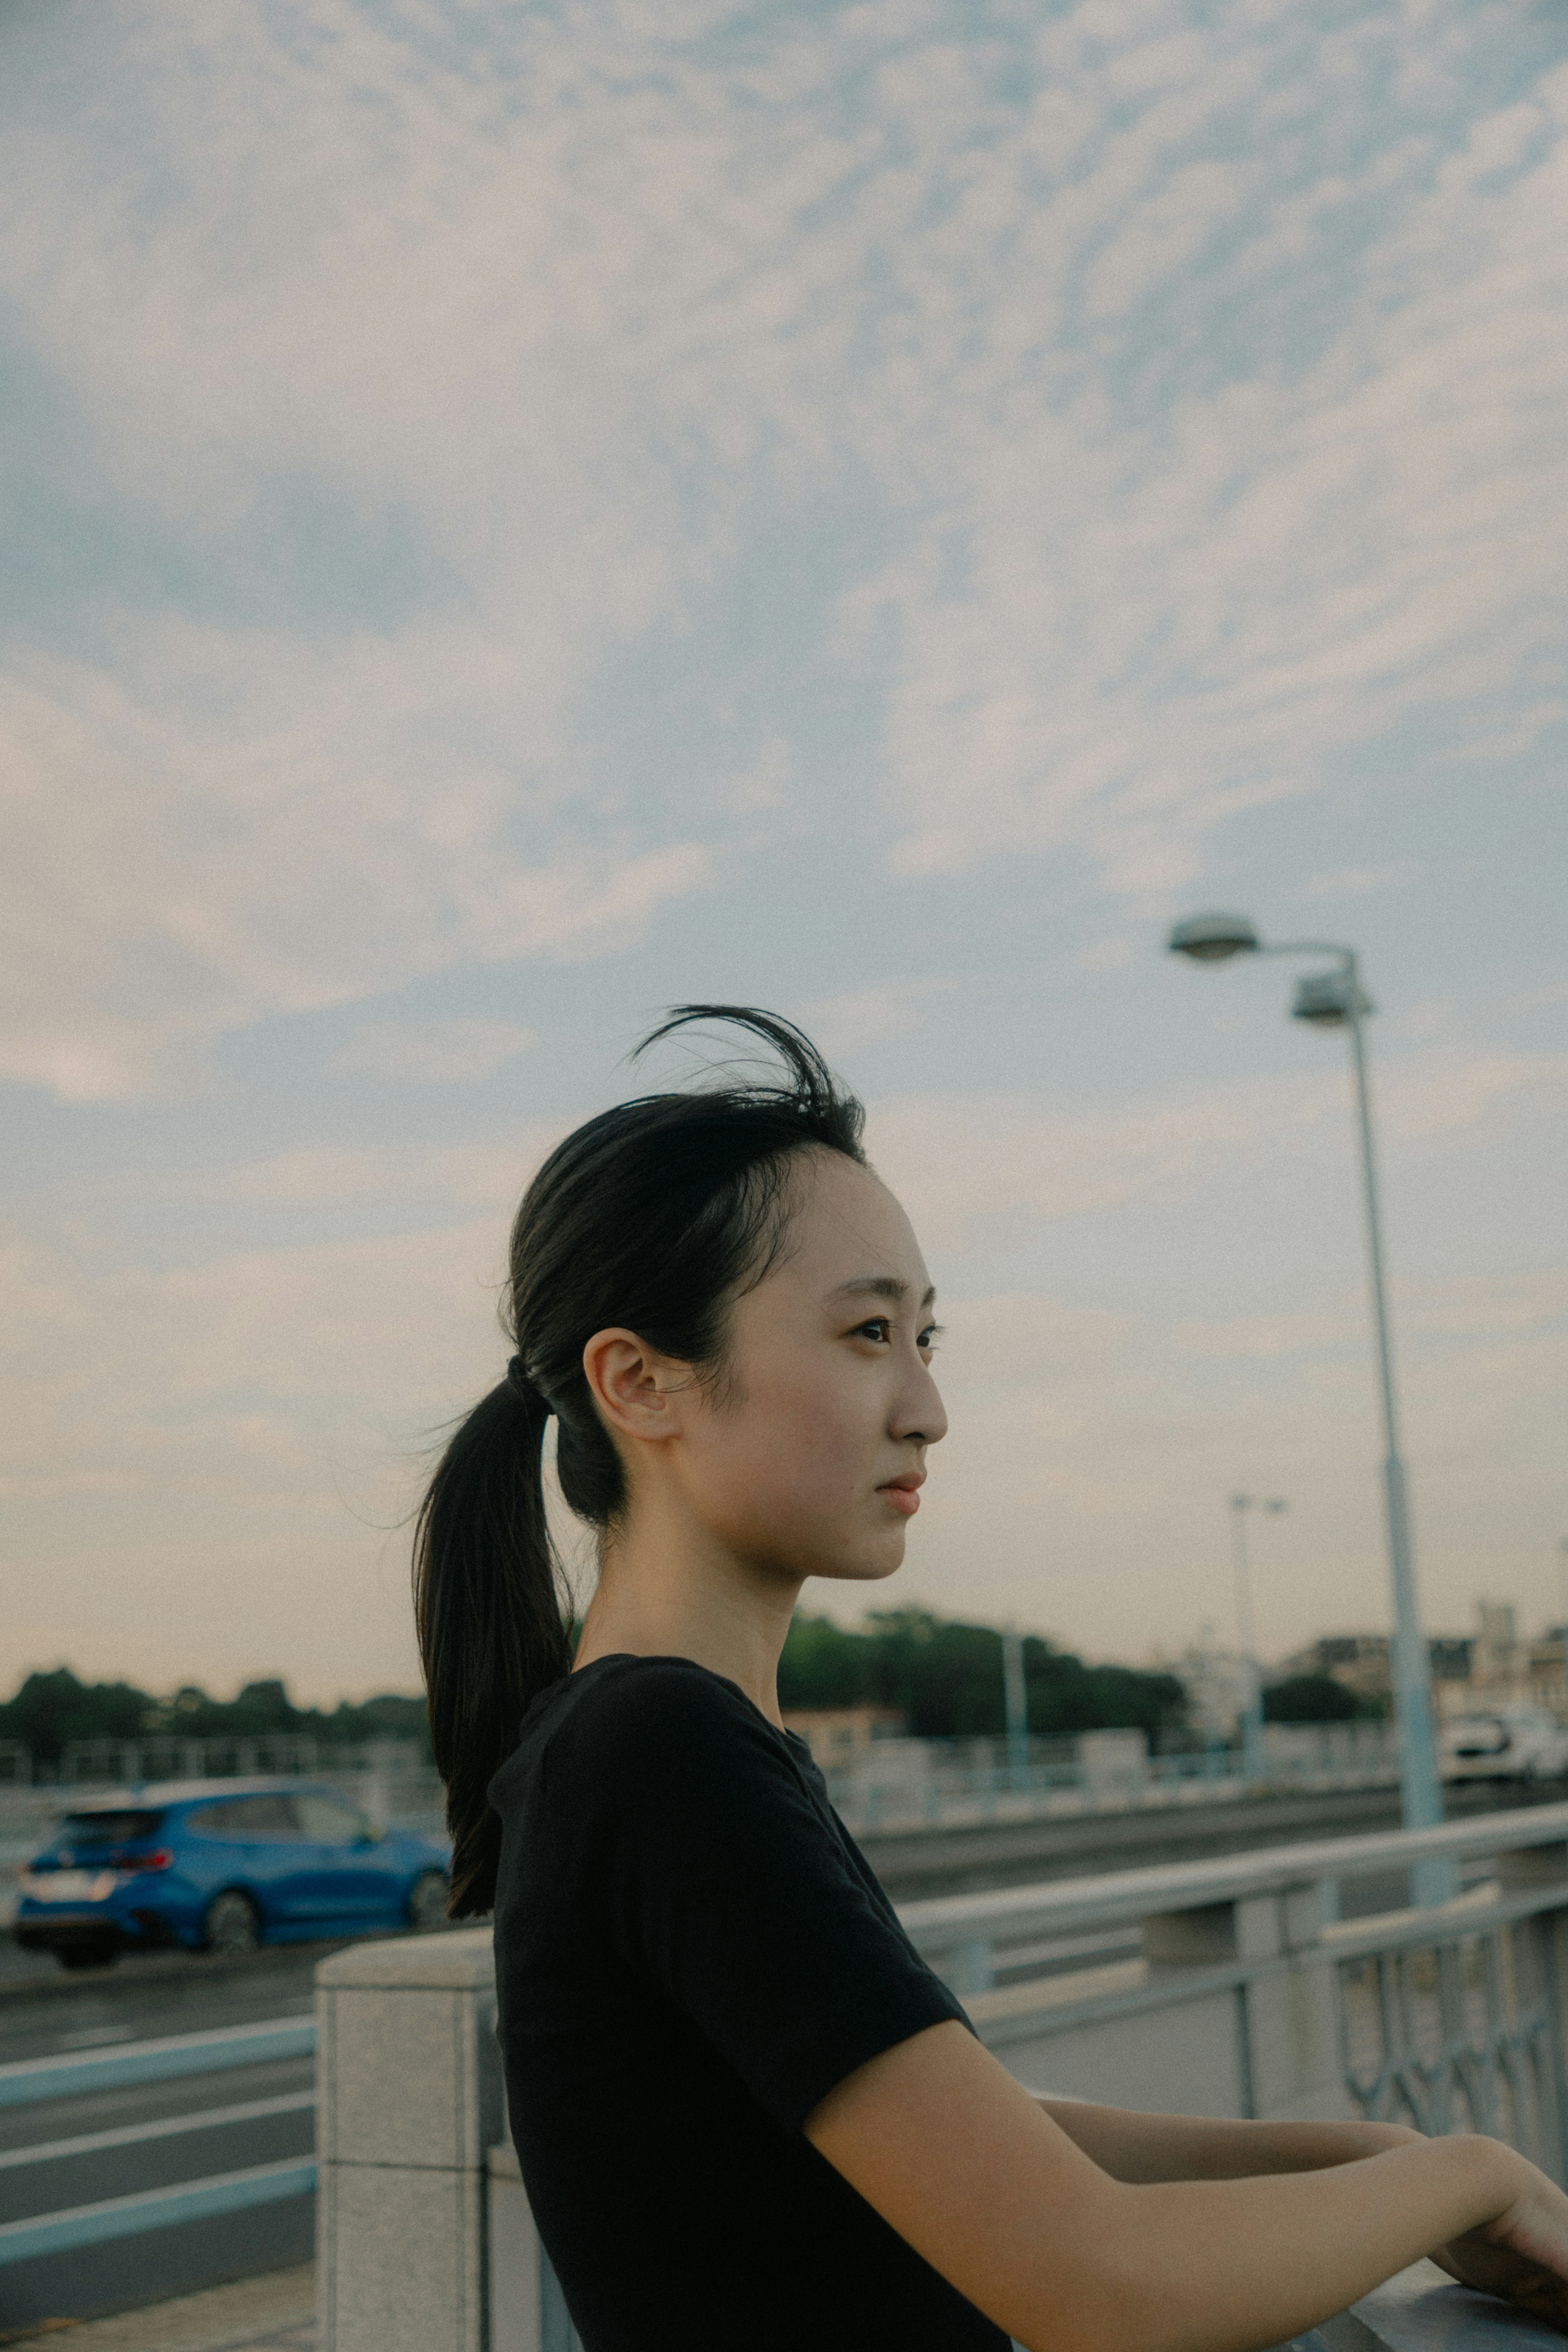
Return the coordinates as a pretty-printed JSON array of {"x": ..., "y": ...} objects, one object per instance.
[{"x": 654, "y": 1215}]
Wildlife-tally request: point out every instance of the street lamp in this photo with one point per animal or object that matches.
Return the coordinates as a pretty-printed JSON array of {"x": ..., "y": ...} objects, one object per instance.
[
  {"x": 1335, "y": 1000},
  {"x": 1015, "y": 1698},
  {"x": 1252, "y": 1690}
]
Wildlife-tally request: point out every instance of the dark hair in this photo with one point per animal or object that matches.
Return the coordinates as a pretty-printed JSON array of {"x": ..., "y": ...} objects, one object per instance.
[{"x": 656, "y": 1215}]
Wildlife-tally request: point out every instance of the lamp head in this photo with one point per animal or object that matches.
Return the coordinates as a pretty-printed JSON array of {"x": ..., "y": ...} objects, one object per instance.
[
  {"x": 1210, "y": 939},
  {"x": 1325, "y": 999}
]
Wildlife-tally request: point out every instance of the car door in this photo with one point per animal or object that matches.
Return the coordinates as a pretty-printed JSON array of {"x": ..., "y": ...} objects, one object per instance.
[
  {"x": 271, "y": 1847},
  {"x": 249, "y": 1842},
  {"x": 352, "y": 1880}
]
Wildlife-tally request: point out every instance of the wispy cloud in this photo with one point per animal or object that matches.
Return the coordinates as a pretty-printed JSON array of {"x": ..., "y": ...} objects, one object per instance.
[
  {"x": 1360, "y": 881},
  {"x": 1197, "y": 384},
  {"x": 434, "y": 1052}
]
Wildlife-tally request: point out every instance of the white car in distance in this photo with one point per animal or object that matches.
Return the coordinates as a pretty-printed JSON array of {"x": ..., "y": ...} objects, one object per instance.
[{"x": 1507, "y": 1743}]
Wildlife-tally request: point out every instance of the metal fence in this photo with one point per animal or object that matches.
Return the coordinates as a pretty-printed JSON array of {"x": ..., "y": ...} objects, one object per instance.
[
  {"x": 1449, "y": 2018},
  {"x": 34, "y": 2080},
  {"x": 890, "y": 1783},
  {"x": 164, "y": 1756}
]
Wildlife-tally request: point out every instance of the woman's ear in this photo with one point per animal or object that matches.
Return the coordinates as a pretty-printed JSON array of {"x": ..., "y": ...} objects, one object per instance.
[{"x": 639, "y": 1392}]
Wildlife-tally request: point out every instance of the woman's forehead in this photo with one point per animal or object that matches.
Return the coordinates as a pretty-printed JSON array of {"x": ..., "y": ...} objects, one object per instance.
[{"x": 849, "y": 1229}]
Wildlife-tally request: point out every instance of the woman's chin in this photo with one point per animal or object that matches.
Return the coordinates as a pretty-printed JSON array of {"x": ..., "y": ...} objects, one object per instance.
[{"x": 871, "y": 1566}]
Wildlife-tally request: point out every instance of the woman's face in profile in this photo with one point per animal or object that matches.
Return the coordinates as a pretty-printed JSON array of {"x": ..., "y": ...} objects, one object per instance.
[{"x": 809, "y": 1449}]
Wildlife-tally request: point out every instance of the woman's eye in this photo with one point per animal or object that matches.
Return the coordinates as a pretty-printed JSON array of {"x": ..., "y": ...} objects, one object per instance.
[
  {"x": 877, "y": 1329},
  {"x": 928, "y": 1340}
]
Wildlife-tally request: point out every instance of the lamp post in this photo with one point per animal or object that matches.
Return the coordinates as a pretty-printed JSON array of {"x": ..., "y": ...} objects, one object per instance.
[
  {"x": 1334, "y": 999},
  {"x": 1015, "y": 1697},
  {"x": 1252, "y": 1693}
]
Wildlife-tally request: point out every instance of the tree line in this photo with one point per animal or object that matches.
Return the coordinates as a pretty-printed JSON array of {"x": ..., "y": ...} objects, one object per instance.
[
  {"x": 51, "y": 1710},
  {"x": 943, "y": 1675},
  {"x": 946, "y": 1678}
]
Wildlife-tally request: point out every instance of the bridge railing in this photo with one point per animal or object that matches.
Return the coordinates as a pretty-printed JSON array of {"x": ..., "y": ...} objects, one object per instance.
[
  {"x": 32, "y": 2081},
  {"x": 892, "y": 1783},
  {"x": 1242, "y": 1991}
]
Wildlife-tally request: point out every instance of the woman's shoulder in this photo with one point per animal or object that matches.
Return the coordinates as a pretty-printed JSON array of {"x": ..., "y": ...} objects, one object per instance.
[
  {"x": 643, "y": 1693},
  {"x": 643, "y": 1718}
]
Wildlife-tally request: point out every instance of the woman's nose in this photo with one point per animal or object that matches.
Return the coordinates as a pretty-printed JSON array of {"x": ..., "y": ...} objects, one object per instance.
[{"x": 922, "y": 1414}]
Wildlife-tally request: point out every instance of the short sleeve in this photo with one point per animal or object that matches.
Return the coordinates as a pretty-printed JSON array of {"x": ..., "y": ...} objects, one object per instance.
[{"x": 728, "y": 1886}]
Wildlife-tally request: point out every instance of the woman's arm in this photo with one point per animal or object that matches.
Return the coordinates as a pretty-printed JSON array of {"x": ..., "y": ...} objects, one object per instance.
[
  {"x": 972, "y": 2173},
  {"x": 1132, "y": 2147}
]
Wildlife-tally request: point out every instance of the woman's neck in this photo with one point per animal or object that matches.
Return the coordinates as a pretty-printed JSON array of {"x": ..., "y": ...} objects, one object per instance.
[{"x": 692, "y": 1602}]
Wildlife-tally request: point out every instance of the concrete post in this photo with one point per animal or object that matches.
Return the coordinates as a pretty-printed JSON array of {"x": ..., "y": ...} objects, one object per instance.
[
  {"x": 409, "y": 2104},
  {"x": 1287, "y": 2060}
]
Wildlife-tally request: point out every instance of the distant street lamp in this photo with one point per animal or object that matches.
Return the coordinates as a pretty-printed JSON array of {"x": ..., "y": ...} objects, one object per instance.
[
  {"x": 1015, "y": 1697},
  {"x": 1252, "y": 1680},
  {"x": 1335, "y": 1000}
]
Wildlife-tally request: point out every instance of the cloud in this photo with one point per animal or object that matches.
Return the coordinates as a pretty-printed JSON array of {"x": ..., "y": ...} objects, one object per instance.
[
  {"x": 1163, "y": 416},
  {"x": 434, "y": 1052},
  {"x": 846, "y": 1024},
  {"x": 960, "y": 1162},
  {"x": 251, "y": 825},
  {"x": 1358, "y": 881}
]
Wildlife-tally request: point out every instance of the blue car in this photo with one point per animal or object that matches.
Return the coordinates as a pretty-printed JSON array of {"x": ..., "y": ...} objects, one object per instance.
[{"x": 223, "y": 1866}]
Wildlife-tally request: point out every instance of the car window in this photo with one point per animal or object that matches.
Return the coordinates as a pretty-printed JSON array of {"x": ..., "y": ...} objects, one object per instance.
[
  {"x": 214, "y": 1821},
  {"x": 267, "y": 1817},
  {"x": 329, "y": 1820},
  {"x": 108, "y": 1828},
  {"x": 245, "y": 1817}
]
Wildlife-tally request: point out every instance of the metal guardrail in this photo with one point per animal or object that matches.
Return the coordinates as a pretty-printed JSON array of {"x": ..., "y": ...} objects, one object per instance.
[
  {"x": 32, "y": 2080},
  {"x": 1450, "y": 2016},
  {"x": 156, "y": 2209},
  {"x": 943, "y": 1924}
]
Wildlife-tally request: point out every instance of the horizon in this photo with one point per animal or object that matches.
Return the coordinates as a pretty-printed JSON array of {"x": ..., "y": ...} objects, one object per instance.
[{"x": 1155, "y": 1658}]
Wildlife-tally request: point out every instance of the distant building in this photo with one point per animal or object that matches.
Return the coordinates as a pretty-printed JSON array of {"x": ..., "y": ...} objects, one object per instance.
[
  {"x": 838, "y": 1736},
  {"x": 1359, "y": 1660},
  {"x": 1492, "y": 1667},
  {"x": 1498, "y": 1662},
  {"x": 1216, "y": 1682}
]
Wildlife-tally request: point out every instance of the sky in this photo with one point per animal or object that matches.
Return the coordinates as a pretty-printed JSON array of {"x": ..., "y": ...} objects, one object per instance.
[{"x": 518, "y": 516}]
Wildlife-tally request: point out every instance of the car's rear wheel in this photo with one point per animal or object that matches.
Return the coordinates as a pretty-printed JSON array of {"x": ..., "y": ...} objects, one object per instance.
[
  {"x": 427, "y": 1903},
  {"x": 232, "y": 1923},
  {"x": 89, "y": 1956}
]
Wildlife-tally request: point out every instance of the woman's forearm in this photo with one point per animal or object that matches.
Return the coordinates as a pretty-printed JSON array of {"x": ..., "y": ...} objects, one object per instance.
[
  {"x": 1006, "y": 2202},
  {"x": 1224, "y": 2266},
  {"x": 1136, "y": 2148}
]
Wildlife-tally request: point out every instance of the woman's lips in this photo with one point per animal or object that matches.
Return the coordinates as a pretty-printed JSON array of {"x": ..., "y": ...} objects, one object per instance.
[{"x": 905, "y": 1500}]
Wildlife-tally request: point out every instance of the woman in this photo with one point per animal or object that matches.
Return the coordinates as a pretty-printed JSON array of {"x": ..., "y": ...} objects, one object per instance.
[{"x": 748, "y": 2116}]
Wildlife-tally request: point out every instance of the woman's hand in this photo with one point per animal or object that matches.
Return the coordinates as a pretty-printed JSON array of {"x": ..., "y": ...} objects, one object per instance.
[{"x": 1522, "y": 2256}]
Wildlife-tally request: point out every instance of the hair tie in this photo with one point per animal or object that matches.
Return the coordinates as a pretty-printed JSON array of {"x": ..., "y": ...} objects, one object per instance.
[{"x": 520, "y": 1379}]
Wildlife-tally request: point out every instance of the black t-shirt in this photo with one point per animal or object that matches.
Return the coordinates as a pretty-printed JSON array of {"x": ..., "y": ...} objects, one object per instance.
[{"x": 690, "y": 1953}]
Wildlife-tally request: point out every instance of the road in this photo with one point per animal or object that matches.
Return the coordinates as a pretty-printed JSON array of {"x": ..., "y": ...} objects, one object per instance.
[
  {"x": 221, "y": 2123},
  {"x": 915, "y": 1863},
  {"x": 257, "y": 2115}
]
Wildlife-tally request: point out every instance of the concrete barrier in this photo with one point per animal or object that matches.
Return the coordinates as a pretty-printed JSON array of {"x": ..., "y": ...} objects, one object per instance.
[{"x": 409, "y": 2104}]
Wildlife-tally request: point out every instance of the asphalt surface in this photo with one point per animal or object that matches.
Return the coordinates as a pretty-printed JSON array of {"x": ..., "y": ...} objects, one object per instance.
[
  {"x": 251, "y": 2115},
  {"x": 259, "y": 2115},
  {"x": 915, "y": 1862}
]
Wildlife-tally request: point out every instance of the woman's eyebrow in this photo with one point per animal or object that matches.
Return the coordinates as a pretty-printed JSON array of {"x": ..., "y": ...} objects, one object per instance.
[{"x": 881, "y": 1286}]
